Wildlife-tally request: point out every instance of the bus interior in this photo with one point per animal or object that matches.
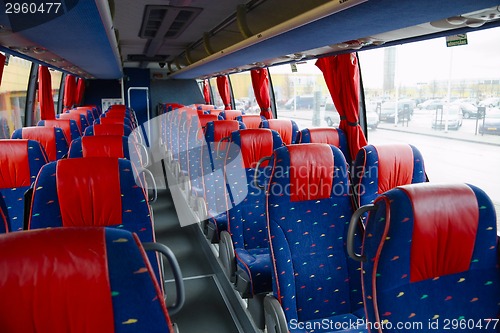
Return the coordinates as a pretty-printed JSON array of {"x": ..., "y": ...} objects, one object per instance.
[{"x": 298, "y": 166}]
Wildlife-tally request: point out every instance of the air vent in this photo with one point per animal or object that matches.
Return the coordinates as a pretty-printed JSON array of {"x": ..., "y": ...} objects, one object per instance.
[
  {"x": 142, "y": 57},
  {"x": 166, "y": 21}
]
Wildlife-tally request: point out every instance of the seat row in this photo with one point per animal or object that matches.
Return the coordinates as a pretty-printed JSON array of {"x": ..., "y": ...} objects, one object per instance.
[
  {"x": 96, "y": 190},
  {"x": 287, "y": 218}
]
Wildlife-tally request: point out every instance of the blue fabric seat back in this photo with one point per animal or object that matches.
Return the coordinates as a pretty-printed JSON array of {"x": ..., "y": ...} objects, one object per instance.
[
  {"x": 432, "y": 256},
  {"x": 52, "y": 140},
  {"x": 95, "y": 278},
  {"x": 198, "y": 156},
  {"x": 108, "y": 129},
  {"x": 379, "y": 168},
  {"x": 20, "y": 162},
  {"x": 101, "y": 146},
  {"x": 247, "y": 217},
  {"x": 69, "y": 127},
  {"x": 213, "y": 173},
  {"x": 332, "y": 136},
  {"x": 308, "y": 211},
  {"x": 287, "y": 129}
]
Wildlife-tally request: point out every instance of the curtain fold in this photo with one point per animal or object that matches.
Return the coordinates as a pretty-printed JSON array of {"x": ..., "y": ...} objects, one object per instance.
[
  {"x": 260, "y": 84},
  {"x": 80, "y": 91},
  {"x": 341, "y": 74},
  {"x": 206, "y": 91},
  {"x": 69, "y": 92},
  {"x": 45, "y": 98},
  {"x": 223, "y": 88}
]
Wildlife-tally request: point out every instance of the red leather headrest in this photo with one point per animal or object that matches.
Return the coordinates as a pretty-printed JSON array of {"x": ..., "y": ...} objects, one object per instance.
[
  {"x": 283, "y": 127},
  {"x": 445, "y": 222},
  {"x": 14, "y": 164},
  {"x": 325, "y": 135},
  {"x": 251, "y": 120},
  {"x": 109, "y": 129},
  {"x": 55, "y": 280},
  {"x": 255, "y": 144},
  {"x": 45, "y": 136},
  {"x": 232, "y": 114},
  {"x": 88, "y": 190},
  {"x": 64, "y": 124},
  {"x": 395, "y": 166},
  {"x": 118, "y": 107},
  {"x": 311, "y": 171},
  {"x": 73, "y": 116},
  {"x": 205, "y": 118},
  {"x": 223, "y": 128},
  {"x": 112, "y": 120},
  {"x": 216, "y": 112},
  {"x": 103, "y": 146}
]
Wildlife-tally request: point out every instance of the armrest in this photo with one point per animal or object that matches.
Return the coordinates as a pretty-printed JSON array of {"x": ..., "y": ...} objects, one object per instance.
[{"x": 226, "y": 255}]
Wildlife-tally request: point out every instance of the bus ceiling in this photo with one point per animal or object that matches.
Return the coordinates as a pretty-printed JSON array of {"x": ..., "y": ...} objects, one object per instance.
[{"x": 197, "y": 38}]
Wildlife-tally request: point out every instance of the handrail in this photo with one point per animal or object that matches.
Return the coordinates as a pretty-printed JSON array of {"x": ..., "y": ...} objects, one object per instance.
[
  {"x": 176, "y": 270},
  {"x": 351, "y": 232},
  {"x": 255, "y": 174}
]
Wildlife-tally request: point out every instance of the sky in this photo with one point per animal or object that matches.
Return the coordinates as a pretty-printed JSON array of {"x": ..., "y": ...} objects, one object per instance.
[{"x": 430, "y": 60}]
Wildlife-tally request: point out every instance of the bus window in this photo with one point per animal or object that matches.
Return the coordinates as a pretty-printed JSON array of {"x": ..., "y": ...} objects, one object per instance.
[
  {"x": 13, "y": 95},
  {"x": 55, "y": 80},
  {"x": 217, "y": 100},
  {"x": 301, "y": 94},
  {"x": 244, "y": 97},
  {"x": 441, "y": 98}
]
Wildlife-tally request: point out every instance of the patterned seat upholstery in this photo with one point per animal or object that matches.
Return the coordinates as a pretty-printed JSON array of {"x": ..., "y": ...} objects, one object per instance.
[
  {"x": 52, "y": 140},
  {"x": 87, "y": 112},
  {"x": 100, "y": 146},
  {"x": 80, "y": 119},
  {"x": 287, "y": 129},
  {"x": 247, "y": 222},
  {"x": 230, "y": 114},
  {"x": 108, "y": 129},
  {"x": 20, "y": 162},
  {"x": 198, "y": 156},
  {"x": 308, "y": 211},
  {"x": 431, "y": 257},
  {"x": 251, "y": 120},
  {"x": 332, "y": 136},
  {"x": 76, "y": 192},
  {"x": 4, "y": 226},
  {"x": 78, "y": 280},
  {"x": 379, "y": 168},
  {"x": 213, "y": 174},
  {"x": 69, "y": 127}
]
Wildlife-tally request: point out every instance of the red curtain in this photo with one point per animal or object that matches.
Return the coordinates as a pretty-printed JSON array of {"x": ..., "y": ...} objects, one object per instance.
[
  {"x": 260, "y": 84},
  {"x": 223, "y": 87},
  {"x": 341, "y": 74},
  {"x": 2, "y": 64},
  {"x": 45, "y": 97},
  {"x": 69, "y": 92},
  {"x": 80, "y": 90},
  {"x": 206, "y": 91}
]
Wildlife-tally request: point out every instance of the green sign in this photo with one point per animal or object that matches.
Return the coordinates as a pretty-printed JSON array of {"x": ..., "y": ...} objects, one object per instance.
[{"x": 456, "y": 40}]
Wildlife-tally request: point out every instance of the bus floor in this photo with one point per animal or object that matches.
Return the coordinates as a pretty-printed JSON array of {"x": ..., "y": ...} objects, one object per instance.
[{"x": 211, "y": 303}]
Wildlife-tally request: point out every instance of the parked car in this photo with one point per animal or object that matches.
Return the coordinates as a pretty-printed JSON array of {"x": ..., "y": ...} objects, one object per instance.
[
  {"x": 388, "y": 110},
  {"x": 332, "y": 117},
  {"x": 301, "y": 102},
  {"x": 470, "y": 110},
  {"x": 430, "y": 104},
  {"x": 491, "y": 102},
  {"x": 454, "y": 117},
  {"x": 491, "y": 124}
]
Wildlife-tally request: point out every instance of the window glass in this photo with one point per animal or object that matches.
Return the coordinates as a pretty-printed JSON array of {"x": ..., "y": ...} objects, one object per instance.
[
  {"x": 13, "y": 95},
  {"x": 216, "y": 96},
  {"x": 441, "y": 95},
  {"x": 301, "y": 94},
  {"x": 243, "y": 93}
]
